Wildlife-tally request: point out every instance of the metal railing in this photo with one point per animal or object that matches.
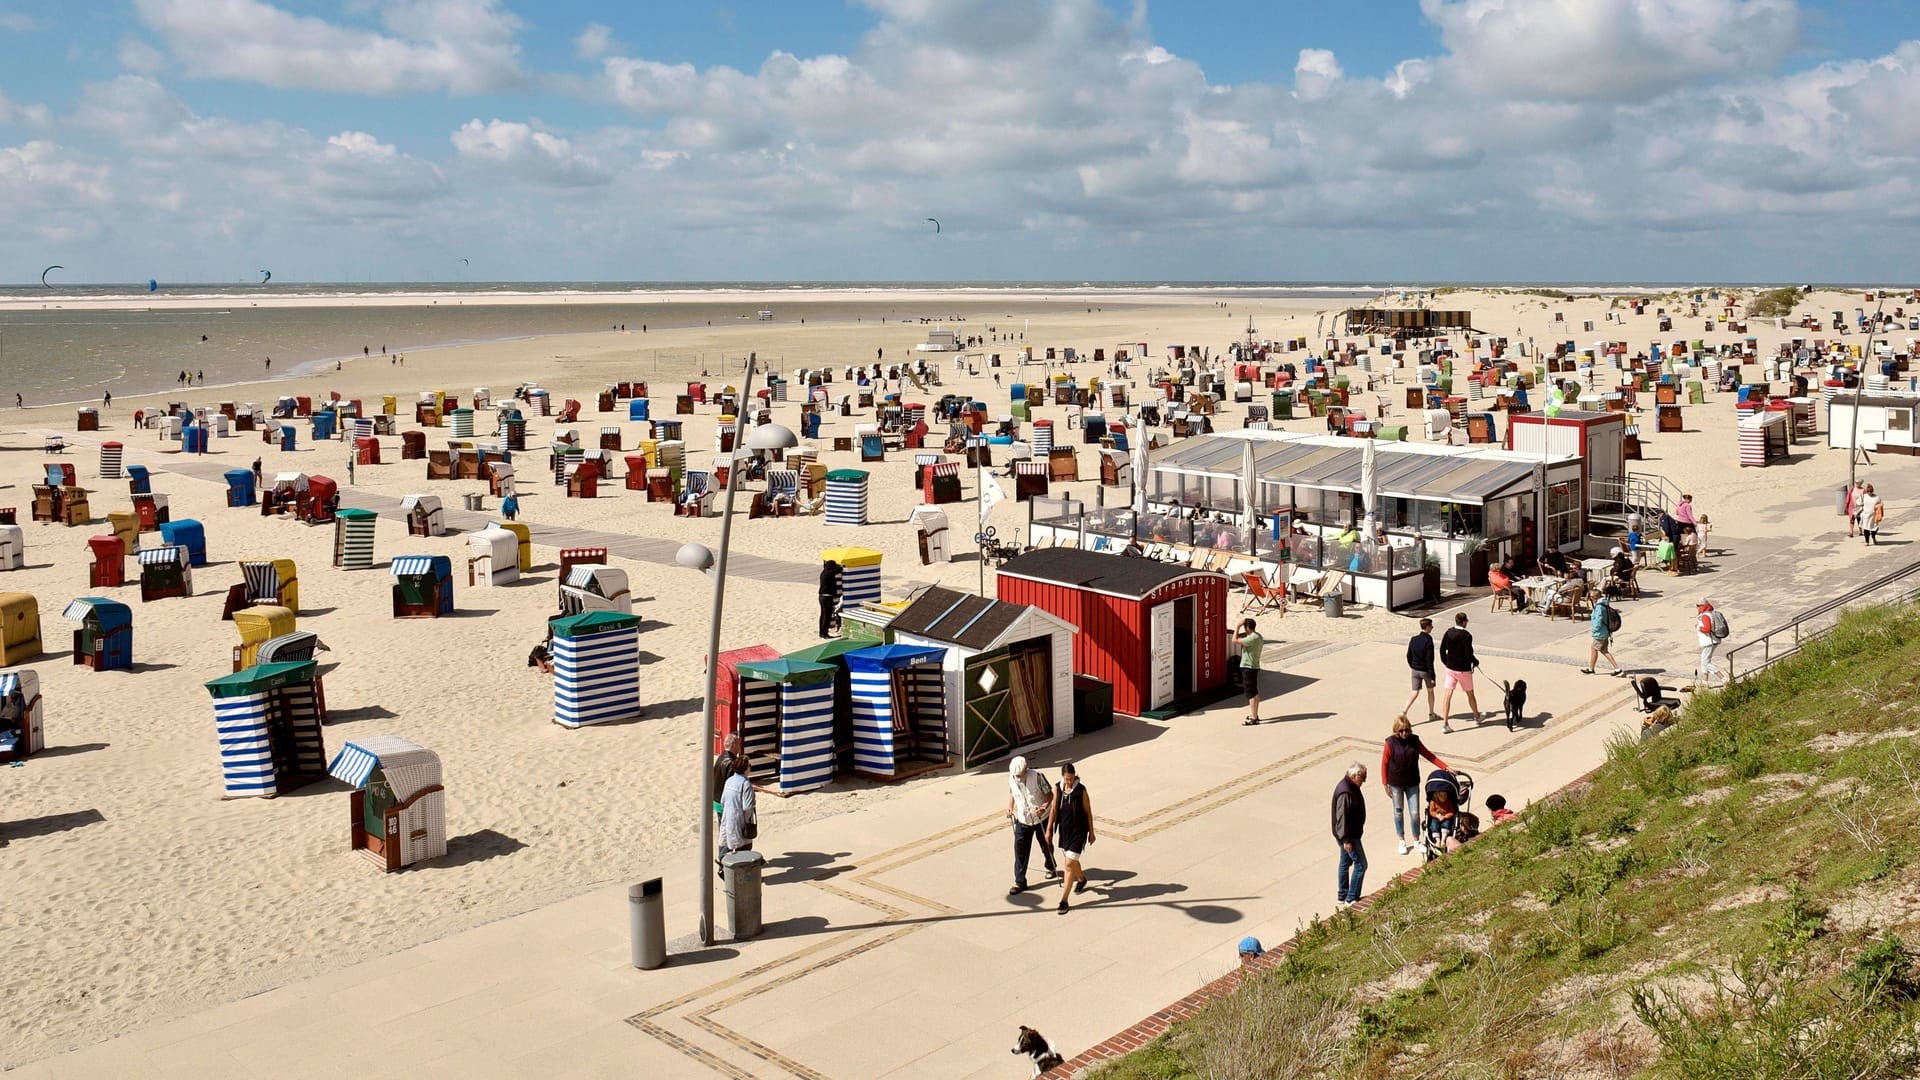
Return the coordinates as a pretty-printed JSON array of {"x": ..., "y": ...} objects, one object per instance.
[
  {"x": 1789, "y": 637},
  {"x": 1641, "y": 493}
]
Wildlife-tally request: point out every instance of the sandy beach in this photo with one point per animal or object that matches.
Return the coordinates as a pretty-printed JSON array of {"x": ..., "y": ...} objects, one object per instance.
[{"x": 139, "y": 895}]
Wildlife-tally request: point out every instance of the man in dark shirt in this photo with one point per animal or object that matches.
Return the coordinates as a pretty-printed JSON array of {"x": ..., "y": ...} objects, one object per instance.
[
  {"x": 1456, "y": 655},
  {"x": 1420, "y": 665},
  {"x": 1349, "y": 822}
]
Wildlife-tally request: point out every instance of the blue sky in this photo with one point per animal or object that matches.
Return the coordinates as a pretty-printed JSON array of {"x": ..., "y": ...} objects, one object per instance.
[{"x": 1072, "y": 139}]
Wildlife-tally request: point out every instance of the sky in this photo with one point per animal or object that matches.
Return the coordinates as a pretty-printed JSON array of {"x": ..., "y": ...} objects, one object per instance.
[{"x": 810, "y": 140}]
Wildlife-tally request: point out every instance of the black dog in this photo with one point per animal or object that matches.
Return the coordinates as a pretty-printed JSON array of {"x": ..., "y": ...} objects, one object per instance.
[
  {"x": 1516, "y": 706},
  {"x": 1034, "y": 1045}
]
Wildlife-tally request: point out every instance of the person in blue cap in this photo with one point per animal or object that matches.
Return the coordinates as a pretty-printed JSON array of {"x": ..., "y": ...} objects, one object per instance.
[{"x": 1250, "y": 949}]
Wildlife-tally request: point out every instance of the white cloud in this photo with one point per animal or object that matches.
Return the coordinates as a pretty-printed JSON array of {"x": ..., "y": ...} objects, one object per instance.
[
  {"x": 595, "y": 42},
  {"x": 13, "y": 113},
  {"x": 1315, "y": 74},
  {"x": 140, "y": 57},
  {"x": 529, "y": 152},
  {"x": 15, "y": 22},
  {"x": 459, "y": 47},
  {"x": 1611, "y": 50}
]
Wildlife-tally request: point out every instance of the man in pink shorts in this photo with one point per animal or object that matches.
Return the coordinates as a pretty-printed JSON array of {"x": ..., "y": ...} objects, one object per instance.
[{"x": 1456, "y": 657}]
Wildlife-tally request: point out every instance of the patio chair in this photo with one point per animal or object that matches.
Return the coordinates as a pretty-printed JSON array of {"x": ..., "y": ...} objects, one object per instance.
[
  {"x": 1262, "y": 596},
  {"x": 1571, "y": 600},
  {"x": 1327, "y": 584}
]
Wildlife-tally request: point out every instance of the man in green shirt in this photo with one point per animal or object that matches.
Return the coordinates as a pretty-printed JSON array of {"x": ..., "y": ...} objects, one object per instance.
[{"x": 1250, "y": 643}]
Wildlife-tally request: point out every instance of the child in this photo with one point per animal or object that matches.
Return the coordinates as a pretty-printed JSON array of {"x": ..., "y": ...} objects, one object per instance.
[{"x": 1497, "y": 806}]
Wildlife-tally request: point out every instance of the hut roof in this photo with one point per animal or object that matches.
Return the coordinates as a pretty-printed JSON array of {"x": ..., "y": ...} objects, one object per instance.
[{"x": 1116, "y": 574}]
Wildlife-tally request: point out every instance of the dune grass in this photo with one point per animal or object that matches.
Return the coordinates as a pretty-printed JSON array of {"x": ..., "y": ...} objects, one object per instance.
[{"x": 1732, "y": 898}]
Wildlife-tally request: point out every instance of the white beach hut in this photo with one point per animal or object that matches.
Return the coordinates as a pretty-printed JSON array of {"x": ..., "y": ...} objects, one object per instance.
[
  {"x": 399, "y": 804},
  {"x": 493, "y": 557}
]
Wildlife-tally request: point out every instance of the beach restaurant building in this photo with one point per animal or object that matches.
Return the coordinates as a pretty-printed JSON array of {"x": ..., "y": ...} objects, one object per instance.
[{"x": 1279, "y": 496}]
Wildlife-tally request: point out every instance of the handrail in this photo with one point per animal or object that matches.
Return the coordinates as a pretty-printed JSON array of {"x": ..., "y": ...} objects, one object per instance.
[{"x": 1796, "y": 624}]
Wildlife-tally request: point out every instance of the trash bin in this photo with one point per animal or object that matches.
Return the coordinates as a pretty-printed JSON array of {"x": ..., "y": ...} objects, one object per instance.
[
  {"x": 646, "y": 914},
  {"x": 474, "y": 502},
  {"x": 742, "y": 872},
  {"x": 1092, "y": 704},
  {"x": 1840, "y": 500},
  {"x": 1336, "y": 605}
]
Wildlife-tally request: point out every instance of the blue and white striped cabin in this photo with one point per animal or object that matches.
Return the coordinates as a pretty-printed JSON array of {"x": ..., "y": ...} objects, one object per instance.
[
  {"x": 268, "y": 718},
  {"x": 786, "y": 722},
  {"x": 883, "y": 739},
  {"x": 596, "y": 668}
]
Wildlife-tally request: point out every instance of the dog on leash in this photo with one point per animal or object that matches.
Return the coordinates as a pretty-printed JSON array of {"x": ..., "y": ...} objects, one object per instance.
[
  {"x": 1516, "y": 703},
  {"x": 1034, "y": 1045}
]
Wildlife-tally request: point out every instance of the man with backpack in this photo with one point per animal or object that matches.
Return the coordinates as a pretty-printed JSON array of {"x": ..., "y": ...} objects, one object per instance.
[
  {"x": 1606, "y": 623},
  {"x": 1029, "y": 796},
  {"x": 1712, "y": 630}
]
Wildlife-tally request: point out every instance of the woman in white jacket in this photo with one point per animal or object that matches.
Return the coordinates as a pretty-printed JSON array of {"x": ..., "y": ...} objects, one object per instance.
[{"x": 1870, "y": 510}]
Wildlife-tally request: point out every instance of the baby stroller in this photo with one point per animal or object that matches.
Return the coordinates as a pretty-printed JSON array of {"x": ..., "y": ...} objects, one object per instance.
[{"x": 1450, "y": 793}]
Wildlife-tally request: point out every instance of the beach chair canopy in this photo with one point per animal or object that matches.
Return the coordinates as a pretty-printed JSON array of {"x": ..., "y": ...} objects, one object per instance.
[
  {"x": 296, "y": 480},
  {"x": 787, "y": 670},
  {"x": 828, "y": 652},
  {"x": 111, "y": 615},
  {"x": 163, "y": 555},
  {"x": 261, "y": 678},
  {"x": 264, "y": 621},
  {"x": 429, "y": 504},
  {"x": 439, "y": 566},
  {"x": 592, "y": 623},
  {"x": 894, "y": 657},
  {"x": 409, "y": 767},
  {"x": 598, "y": 579},
  {"x": 283, "y": 648}
]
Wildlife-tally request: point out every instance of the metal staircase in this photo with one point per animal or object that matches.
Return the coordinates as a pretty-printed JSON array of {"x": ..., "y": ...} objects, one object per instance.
[{"x": 1610, "y": 501}]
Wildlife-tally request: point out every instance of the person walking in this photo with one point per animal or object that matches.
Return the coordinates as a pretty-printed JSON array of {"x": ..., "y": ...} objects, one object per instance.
[
  {"x": 1456, "y": 655},
  {"x": 723, "y": 771},
  {"x": 1605, "y": 621},
  {"x": 1250, "y": 642},
  {"x": 1070, "y": 819},
  {"x": 1420, "y": 665},
  {"x": 1872, "y": 511},
  {"x": 1400, "y": 775},
  {"x": 829, "y": 595},
  {"x": 1029, "y": 797},
  {"x": 259, "y": 477},
  {"x": 1854, "y": 493},
  {"x": 1710, "y": 629},
  {"x": 739, "y": 822},
  {"x": 106, "y": 400},
  {"x": 1349, "y": 822}
]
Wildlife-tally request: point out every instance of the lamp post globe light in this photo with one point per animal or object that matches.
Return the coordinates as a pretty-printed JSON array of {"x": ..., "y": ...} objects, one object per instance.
[{"x": 762, "y": 438}]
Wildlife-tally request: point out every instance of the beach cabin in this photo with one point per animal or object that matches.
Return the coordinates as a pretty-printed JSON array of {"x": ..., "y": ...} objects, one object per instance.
[
  {"x": 22, "y": 721},
  {"x": 13, "y": 547},
  {"x": 19, "y": 627},
  {"x": 523, "y": 541},
  {"x": 398, "y": 808},
  {"x": 859, "y": 574},
  {"x": 299, "y": 645},
  {"x": 111, "y": 455},
  {"x": 271, "y": 581},
  {"x": 492, "y": 557},
  {"x": 847, "y": 497},
  {"x": 596, "y": 668},
  {"x": 787, "y": 721},
  {"x": 595, "y": 587},
  {"x": 353, "y": 538},
  {"x": 189, "y": 534},
  {"x": 422, "y": 586},
  {"x": 268, "y": 718},
  {"x": 1008, "y": 670},
  {"x": 1885, "y": 422},
  {"x": 899, "y": 710},
  {"x": 104, "y": 640},
  {"x": 139, "y": 481},
  {"x": 258, "y": 625},
  {"x": 109, "y": 566},
  {"x": 288, "y": 491},
  {"x": 1156, "y": 632},
  {"x": 153, "y": 512},
  {"x": 164, "y": 572},
  {"x": 240, "y": 487},
  {"x": 424, "y": 515},
  {"x": 1765, "y": 437},
  {"x": 125, "y": 525}
]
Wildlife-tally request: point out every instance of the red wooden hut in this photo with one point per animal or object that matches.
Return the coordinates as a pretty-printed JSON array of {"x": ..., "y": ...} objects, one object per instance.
[
  {"x": 726, "y": 696},
  {"x": 1158, "y": 633}
]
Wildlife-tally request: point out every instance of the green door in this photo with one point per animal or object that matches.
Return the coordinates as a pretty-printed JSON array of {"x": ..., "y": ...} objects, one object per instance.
[
  {"x": 987, "y": 731},
  {"x": 379, "y": 799}
]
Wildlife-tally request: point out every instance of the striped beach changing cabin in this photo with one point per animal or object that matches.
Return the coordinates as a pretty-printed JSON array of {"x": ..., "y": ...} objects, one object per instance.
[
  {"x": 859, "y": 574},
  {"x": 353, "y": 539},
  {"x": 596, "y": 668},
  {"x": 268, "y": 718},
  {"x": 847, "y": 497},
  {"x": 787, "y": 719},
  {"x": 899, "y": 709},
  {"x": 22, "y": 716}
]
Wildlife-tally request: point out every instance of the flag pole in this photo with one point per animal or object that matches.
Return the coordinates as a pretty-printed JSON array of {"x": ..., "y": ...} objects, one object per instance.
[{"x": 980, "y": 509}]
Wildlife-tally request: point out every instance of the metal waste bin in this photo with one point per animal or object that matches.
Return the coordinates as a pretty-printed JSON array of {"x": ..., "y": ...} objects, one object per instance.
[
  {"x": 1840, "y": 500},
  {"x": 474, "y": 502},
  {"x": 647, "y": 919},
  {"x": 742, "y": 872},
  {"x": 1336, "y": 605}
]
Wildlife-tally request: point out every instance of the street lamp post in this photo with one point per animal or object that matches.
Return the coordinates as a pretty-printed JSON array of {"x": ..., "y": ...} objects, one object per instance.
[{"x": 697, "y": 557}]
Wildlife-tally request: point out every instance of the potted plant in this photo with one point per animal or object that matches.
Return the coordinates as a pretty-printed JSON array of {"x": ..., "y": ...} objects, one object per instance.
[
  {"x": 1470, "y": 565},
  {"x": 1430, "y": 578}
]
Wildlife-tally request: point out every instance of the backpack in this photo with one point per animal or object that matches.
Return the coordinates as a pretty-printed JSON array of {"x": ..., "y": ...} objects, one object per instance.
[
  {"x": 1717, "y": 625},
  {"x": 1613, "y": 620}
]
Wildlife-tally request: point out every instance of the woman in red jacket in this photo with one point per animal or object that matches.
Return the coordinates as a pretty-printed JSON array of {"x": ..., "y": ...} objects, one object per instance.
[{"x": 1400, "y": 775}]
